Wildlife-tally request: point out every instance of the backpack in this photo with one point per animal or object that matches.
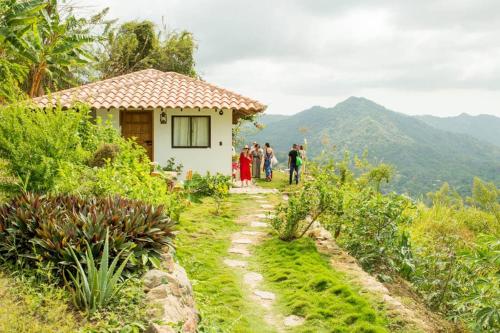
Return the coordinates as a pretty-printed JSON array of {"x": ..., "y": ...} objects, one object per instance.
[{"x": 298, "y": 160}]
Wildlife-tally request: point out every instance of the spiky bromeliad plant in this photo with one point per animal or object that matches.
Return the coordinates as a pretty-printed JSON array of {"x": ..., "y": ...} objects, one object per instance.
[{"x": 95, "y": 287}]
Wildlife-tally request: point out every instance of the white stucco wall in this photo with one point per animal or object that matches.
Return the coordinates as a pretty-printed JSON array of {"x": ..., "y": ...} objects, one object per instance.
[
  {"x": 112, "y": 116},
  {"x": 215, "y": 159}
]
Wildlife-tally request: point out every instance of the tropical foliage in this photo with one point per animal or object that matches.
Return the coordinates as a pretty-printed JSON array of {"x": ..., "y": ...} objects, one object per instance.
[
  {"x": 46, "y": 45},
  {"x": 47, "y": 42},
  {"x": 137, "y": 45},
  {"x": 37, "y": 230}
]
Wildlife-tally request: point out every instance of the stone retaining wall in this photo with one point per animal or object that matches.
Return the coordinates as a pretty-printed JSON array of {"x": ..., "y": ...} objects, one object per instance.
[{"x": 170, "y": 298}]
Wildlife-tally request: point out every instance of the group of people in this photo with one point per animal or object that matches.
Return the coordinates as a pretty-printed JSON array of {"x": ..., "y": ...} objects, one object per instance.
[{"x": 253, "y": 160}]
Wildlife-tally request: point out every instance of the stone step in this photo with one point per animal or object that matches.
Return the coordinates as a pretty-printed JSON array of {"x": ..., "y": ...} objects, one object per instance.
[
  {"x": 267, "y": 206},
  {"x": 242, "y": 241},
  {"x": 293, "y": 320},
  {"x": 239, "y": 250},
  {"x": 257, "y": 224},
  {"x": 252, "y": 233},
  {"x": 252, "y": 279},
  {"x": 235, "y": 263},
  {"x": 264, "y": 216},
  {"x": 267, "y": 295}
]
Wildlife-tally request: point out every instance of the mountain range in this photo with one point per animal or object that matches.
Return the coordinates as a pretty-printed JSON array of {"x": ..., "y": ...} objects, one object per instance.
[
  {"x": 425, "y": 150},
  {"x": 483, "y": 127}
]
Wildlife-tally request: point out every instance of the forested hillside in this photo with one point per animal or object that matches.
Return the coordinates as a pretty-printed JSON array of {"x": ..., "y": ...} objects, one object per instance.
[
  {"x": 483, "y": 127},
  {"x": 424, "y": 156}
]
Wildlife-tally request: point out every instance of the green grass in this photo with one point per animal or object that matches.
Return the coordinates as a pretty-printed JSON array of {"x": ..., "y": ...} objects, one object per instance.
[
  {"x": 29, "y": 305},
  {"x": 307, "y": 286},
  {"x": 41, "y": 311},
  {"x": 280, "y": 182},
  {"x": 202, "y": 244}
]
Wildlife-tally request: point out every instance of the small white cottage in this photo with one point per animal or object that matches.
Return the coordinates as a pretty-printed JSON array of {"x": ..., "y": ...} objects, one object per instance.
[{"x": 169, "y": 114}]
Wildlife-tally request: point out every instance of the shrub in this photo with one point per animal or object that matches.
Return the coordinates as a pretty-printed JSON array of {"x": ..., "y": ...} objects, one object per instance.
[
  {"x": 95, "y": 287},
  {"x": 173, "y": 166},
  {"x": 129, "y": 175},
  {"x": 366, "y": 222},
  {"x": 218, "y": 186},
  {"x": 36, "y": 142},
  {"x": 290, "y": 217},
  {"x": 104, "y": 154},
  {"x": 208, "y": 185},
  {"x": 52, "y": 151},
  {"x": 456, "y": 264},
  {"x": 45, "y": 229},
  {"x": 373, "y": 233}
]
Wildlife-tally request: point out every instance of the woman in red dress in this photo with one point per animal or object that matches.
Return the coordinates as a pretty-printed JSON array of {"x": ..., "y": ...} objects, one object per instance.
[{"x": 245, "y": 167}]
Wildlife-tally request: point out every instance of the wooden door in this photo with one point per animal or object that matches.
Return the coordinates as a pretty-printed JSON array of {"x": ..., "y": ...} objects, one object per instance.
[{"x": 139, "y": 125}]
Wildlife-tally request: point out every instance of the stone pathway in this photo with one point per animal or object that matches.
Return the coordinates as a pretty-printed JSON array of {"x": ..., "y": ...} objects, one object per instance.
[
  {"x": 252, "y": 190},
  {"x": 241, "y": 243}
]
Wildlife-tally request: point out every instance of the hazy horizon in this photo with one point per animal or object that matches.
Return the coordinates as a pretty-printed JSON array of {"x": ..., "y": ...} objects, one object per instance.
[
  {"x": 423, "y": 114},
  {"x": 415, "y": 57}
]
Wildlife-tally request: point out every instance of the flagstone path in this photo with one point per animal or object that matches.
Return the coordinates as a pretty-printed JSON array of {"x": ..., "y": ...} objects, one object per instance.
[{"x": 256, "y": 229}]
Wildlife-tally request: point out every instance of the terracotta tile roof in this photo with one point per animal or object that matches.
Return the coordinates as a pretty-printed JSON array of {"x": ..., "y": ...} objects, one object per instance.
[{"x": 152, "y": 88}]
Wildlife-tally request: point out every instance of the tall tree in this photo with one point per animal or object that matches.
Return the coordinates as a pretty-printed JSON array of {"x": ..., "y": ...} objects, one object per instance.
[{"x": 138, "y": 45}]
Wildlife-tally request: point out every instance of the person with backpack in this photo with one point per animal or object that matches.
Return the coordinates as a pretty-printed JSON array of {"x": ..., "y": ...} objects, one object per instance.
[{"x": 294, "y": 163}]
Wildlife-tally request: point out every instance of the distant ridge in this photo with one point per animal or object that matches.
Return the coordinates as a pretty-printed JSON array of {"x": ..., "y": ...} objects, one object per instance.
[
  {"x": 483, "y": 127},
  {"x": 424, "y": 155}
]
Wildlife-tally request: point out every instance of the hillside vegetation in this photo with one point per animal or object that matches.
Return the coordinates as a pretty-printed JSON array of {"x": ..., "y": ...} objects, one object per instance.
[
  {"x": 448, "y": 250},
  {"x": 424, "y": 156}
]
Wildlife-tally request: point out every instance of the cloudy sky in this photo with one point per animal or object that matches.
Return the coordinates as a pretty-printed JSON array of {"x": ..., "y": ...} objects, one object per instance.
[{"x": 438, "y": 57}]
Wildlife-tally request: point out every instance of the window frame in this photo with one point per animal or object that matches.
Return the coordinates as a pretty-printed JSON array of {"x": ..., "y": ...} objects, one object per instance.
[{"x": 191, "y": 132}]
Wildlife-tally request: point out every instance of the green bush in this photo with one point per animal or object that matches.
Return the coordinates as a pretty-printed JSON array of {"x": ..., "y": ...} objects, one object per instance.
[
  {"x": 53, "y": 151},
  {"x": 104, "y": 154},
  {"x": 173, "y": 166},
  {"x": 36, "y": 142},
  {"x": 38, "y": 229},
  {"x": 205, "y": 186},
  {"x": 456, "y": 264},
  {"x": 373, "y": 232},
  {"x": 290, "y": 218}
]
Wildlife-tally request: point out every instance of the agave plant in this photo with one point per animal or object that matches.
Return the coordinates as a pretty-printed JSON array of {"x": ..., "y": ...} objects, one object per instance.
[{"x": 95, "y": 287}]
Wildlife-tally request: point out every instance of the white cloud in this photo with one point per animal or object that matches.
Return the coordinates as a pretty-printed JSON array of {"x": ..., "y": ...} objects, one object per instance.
[{"x": 440, "y": 57}]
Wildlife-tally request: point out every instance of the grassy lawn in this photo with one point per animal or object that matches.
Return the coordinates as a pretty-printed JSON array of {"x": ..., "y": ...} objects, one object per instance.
[
  {"x": 307, "y": 286},
  {"x": 202, "y": 244},
  {"x": 280, "y": 182}
]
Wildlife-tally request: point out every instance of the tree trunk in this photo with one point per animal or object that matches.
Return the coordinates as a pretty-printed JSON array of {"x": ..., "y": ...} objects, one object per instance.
[{"x": 36, "y": 80}]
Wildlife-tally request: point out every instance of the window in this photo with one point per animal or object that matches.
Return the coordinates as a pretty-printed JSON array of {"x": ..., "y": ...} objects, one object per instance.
[{"x": 190, "y": 131}]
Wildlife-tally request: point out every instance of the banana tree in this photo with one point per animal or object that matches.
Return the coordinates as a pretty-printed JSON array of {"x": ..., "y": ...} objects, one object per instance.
[
  {"x": 54, "y": 48},
  {"x": 16, "y": 20}
]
